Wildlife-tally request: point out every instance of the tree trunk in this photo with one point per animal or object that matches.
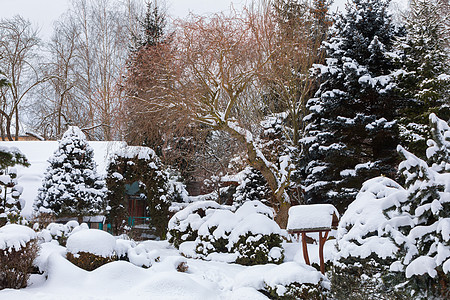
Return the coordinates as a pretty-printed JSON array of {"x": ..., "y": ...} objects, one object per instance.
[{"x": 282, "y": 214}]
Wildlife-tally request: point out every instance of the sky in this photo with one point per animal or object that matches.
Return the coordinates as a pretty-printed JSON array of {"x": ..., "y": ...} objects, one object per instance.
[{"x": 43, "y": 13}]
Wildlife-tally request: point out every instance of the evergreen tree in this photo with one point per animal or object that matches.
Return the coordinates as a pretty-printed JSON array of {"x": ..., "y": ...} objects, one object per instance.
[
  {"x": 151, "y": 29},
  {"x": 423, "y": 81},
  {"x": 10, "y": 192},
  {"x": 351, "y": 133},
  {"x": 420, "y": 222},
  {"x": 71, "y": 186}
]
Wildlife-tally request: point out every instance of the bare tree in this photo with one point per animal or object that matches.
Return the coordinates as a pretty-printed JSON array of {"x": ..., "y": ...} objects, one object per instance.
[
  {"x": 18, "y": 51},
  {"x": 87, "y": 61}
]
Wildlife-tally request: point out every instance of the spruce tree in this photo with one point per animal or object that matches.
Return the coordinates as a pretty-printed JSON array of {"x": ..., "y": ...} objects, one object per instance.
[
  {"x": 351, "y": 133},
  {"x": 420, "y": 223},
  {"x": 423, "y": 82},
  {"x": 71, "y": 186}
]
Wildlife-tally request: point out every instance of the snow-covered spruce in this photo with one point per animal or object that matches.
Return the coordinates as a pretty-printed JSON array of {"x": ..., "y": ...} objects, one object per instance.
[
  {"x": 139, "y": 165},
  {"x": 71, "y": 185},
  {"x": 423, "y": 80},
  {"x": 10, "y": 191},
  {"x": 419, "y": 223},
  {"x": 91, "y": 248},
  {"x": 252, "y": 186},
  {"x": 18, "y": 249},
  {"x": 351, "y": 132},
  {"x": 395, "y": 241},
  {"x": 248, "y": 236}
]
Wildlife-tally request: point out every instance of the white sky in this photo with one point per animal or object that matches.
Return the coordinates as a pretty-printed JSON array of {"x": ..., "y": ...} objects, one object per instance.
[{"x": 43, "y": 13}]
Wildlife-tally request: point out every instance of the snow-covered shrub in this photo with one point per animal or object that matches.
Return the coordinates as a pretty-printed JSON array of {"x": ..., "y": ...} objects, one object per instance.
[
  {"x": 10, "y": 192},
  {"x": 248, "y": 236},
  {"x": 289, "y": 280},
  {"x": 364, "y": 251},
  {"x": 71, "y": 185},
  {"x": 184, "y": 225},
  {"x": 18, "y": 249},
  {"x": 419, "y": 223},
  {"x": 91, "y": 248},
  {"x": 256, "y": 239},
  {"x": 138, "y": 164}
]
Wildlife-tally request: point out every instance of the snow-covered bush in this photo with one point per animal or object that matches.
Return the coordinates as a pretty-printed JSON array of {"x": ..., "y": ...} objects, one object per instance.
[
  {"x": 71, "y": 185},
  {"x": 419, "y": 223},
  {"x": 91, "y": 248},
  {"x": 18, "y": 249},
  {"x": 257, "y": 240},
  {"x": 60, "y": 232},
  {"x": 10, "y": 192},
  {"x": 248, "y": 236},
  {"x": 289, "y": 280},
  {"x": 138, "y": 164},
  {"x": 364, "y": 251},
  {"x": 184, "y": 225}
]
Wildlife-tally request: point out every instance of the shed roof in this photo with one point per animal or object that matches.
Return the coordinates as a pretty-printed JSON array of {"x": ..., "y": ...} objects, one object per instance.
[{"x": 312, "y": 217}]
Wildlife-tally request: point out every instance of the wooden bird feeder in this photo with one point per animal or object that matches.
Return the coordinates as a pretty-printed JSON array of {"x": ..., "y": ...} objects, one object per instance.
[{"x": 319, "y": 218}]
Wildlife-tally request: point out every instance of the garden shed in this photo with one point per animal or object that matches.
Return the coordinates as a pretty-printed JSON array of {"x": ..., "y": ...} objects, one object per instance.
[{"x": 320, "y": 218}]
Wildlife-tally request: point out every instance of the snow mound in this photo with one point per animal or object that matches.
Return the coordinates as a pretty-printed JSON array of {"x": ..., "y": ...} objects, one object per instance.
[
  {"x": 15, "y": 236},
  {"x": 93, "y": 241}
]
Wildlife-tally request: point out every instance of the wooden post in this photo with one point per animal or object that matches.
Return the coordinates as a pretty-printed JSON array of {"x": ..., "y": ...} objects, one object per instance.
[
  {"x": 305, "y": 249},
  {"x": 322, "y": 241}
]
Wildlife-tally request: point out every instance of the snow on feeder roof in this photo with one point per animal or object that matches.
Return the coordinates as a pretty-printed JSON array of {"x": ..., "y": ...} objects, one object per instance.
[
  {"x": 319, "y": 218},
  {"x": 312, "y": 217}
]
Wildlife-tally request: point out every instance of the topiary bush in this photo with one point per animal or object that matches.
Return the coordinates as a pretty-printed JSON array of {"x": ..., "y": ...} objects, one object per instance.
[{"x": 18, "y": 249}]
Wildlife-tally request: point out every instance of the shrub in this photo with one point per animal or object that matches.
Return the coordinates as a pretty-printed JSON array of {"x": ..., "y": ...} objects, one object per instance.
[
  {"x": 18, "y": 249},
  {"x": 184, "y": 225},
  {"x": 256, "y": 249},
  {"x": 295, "y": 291},
  {"x": 89, "y": 261},
  {"x": 249, "y": 236}
]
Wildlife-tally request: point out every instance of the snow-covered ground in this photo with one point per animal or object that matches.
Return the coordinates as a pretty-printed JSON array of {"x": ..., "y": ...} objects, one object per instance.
[{"x": 124, "y": 280}]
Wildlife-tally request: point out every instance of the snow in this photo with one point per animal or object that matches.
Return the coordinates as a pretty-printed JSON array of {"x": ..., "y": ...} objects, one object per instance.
[
  {"x": 15, "y": 236},
  {"x": 93, "y": 241},
  {"x": 361, "y": 228},
  {"x": 312, "y": 216},
  {"x": 255, "y": 223}
]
